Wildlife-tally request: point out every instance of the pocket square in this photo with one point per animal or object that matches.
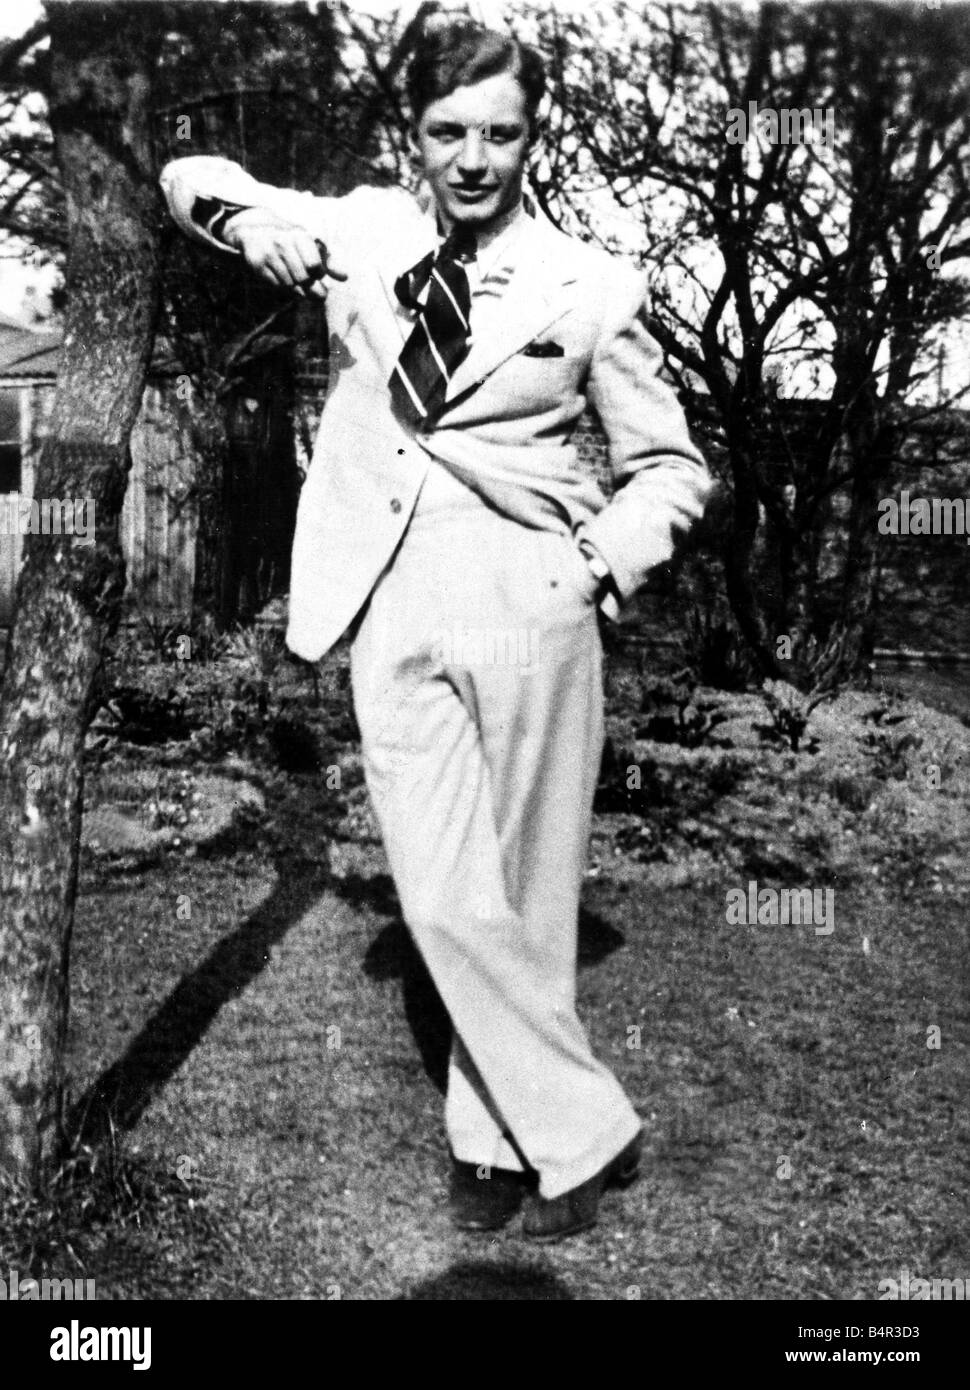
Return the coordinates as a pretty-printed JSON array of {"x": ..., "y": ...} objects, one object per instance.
[{"x": 538, "y": 349}]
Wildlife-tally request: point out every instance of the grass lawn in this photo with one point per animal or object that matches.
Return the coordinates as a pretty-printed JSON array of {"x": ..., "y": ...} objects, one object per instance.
[{"x": 249, "y": 1012}]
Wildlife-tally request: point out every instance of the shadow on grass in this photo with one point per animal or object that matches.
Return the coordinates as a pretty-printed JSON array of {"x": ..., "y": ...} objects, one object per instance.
[
  {"x": 393, "y": 955},
  {"x": 120, "y": 1096},
  {"x": 472, "y": 1280},
  {"x": 122, "y": 1093}
]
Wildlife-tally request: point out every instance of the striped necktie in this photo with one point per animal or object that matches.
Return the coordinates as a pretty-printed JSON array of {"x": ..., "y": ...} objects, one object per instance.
[{"x": 439, "y": 339}]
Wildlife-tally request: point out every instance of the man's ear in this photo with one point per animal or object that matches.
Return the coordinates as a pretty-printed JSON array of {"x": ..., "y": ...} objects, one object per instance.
[{"x": 414, "y": 148}]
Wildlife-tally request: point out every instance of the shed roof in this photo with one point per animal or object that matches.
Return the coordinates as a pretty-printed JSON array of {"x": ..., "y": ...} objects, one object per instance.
[
  {"x": 28, "y": 352},
  {"x": 31, "y": 353}
]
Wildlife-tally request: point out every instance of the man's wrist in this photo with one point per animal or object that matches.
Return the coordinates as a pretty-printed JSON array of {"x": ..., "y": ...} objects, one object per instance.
[
  {"x": 605, "y": 584},
  {"x": 213, "y": 217},
  {"x": 222, "y": 228}
]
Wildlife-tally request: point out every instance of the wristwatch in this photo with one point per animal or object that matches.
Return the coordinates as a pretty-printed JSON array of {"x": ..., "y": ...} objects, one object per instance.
[{"x": 600, "y": 569}]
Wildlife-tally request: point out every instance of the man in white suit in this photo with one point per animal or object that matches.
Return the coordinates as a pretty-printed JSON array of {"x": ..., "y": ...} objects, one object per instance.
[{"x": 448, "y": 520}]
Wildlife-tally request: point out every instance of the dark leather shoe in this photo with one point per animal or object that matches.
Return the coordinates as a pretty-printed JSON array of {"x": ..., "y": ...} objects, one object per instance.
[
  {"x": 548, "y": 1219},
  {"x": 484, "y": 1203}
]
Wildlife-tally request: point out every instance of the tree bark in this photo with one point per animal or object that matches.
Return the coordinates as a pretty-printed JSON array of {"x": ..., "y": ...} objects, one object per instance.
[
  {"x": 210, "y": 441},
  {"x": 69, "y": 591},
  {"x": 874, "y": 445}
]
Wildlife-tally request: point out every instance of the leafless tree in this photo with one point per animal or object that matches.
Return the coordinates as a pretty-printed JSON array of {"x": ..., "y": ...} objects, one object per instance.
[{"x": 819, "y": 268}]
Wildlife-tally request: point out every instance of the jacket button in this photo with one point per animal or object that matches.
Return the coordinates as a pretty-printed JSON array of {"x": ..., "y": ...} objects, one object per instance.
[{"x": 395, "y": 505}]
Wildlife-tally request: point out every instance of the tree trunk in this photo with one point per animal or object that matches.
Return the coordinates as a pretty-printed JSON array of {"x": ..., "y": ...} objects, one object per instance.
[
  {"x": 742, "y": 555},
  {"x": 69, "y": 592},
  {"x": 874, "y": 446},
  {"x": 210, "y": 441}
]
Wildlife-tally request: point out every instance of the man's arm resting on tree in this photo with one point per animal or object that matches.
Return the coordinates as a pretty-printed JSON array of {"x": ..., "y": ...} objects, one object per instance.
[{"x": 280, "y": 232}]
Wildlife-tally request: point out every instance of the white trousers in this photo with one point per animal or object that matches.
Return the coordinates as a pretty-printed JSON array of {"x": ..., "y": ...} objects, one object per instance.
[{"x": 477, "y": 678}]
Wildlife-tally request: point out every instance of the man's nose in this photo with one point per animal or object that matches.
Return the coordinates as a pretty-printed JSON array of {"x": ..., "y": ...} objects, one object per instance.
[{"x": 473, "y": 157}]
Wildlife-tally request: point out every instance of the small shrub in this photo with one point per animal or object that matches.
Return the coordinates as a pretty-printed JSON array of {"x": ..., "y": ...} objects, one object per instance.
[
  {"x": 790, "y": 711},
  {"x": 675, "y": 715},
  {"x": 259, "y": 649},
  {"x": 889, "y": 747},
  {"x": 295, "y": 744},
  {"x": 671, "y": 792},
  {"x": 715, "y": 651},
  {"x": 138, "y": 716},
  {"x": 614, "y": 794}
]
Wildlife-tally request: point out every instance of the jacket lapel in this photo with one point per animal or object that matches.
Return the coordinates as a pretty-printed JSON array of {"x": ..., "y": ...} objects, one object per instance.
[
  {"x": 530, "y": 303},
  {"x": 404, "y": 249}
]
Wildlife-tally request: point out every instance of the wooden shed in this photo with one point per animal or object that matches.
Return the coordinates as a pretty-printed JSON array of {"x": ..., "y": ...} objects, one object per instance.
[{"x": 159, "y": 519}]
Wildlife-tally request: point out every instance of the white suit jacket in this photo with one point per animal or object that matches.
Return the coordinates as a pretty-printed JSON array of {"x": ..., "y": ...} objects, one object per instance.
[{"x": 509, "y": 418}]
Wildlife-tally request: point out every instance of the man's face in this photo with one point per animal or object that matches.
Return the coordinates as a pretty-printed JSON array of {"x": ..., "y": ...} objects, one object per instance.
[{"x": 473, "y": 144}]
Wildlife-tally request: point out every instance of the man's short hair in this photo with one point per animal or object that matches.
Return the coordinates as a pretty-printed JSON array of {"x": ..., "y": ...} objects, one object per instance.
[{"x": 462, "y": 52}]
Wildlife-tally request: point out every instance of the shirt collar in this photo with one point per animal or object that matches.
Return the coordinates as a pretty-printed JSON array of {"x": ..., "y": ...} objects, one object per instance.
[{"x": 491, "y": 244}]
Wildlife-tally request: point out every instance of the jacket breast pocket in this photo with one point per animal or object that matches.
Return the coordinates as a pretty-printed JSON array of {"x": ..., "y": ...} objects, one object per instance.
[{"x": 541, "y": 383}]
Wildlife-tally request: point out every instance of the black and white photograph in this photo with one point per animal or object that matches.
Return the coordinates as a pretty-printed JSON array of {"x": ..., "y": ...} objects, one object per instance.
[{"x": 485, "y": 663}]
